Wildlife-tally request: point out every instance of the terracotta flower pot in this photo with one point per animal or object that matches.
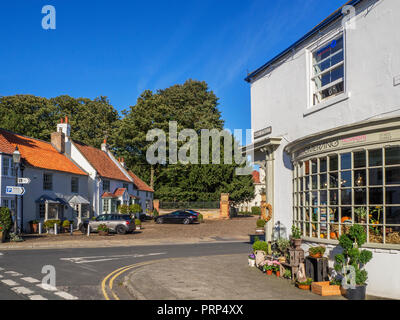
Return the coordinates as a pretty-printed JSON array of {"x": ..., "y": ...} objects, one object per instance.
[
  {"x": 297, "y": 243},
  {"x": 269, "y": 272},
  {"x": 304, "y": 286},
  {"x": 103, "y": 233},
  {"x": 316, "y": 256},
  {"x": 34, "y": 227},
  {"x": 278, "y": 273}
]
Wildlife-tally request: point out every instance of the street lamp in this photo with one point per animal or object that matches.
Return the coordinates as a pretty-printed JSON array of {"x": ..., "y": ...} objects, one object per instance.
[{"x": 16, "y": 160}]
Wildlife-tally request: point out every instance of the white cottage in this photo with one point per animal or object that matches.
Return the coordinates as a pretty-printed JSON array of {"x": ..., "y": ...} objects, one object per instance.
[
  {"x": 58, "y": 187},
  {"x": 326, "y": 118}
]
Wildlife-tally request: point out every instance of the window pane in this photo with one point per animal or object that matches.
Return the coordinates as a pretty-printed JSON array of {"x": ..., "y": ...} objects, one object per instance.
[
  {"x": 307, "y": 168},
  {"x": 314, "y": 166},
  {"x": 345, "y": 161},
  {"x": 333, "y": 197},
  {"x": 360, "y": 159},
  {"x": 334, "y": 214},
  {"x": 375, "y": 158},
  {"x": 392, "y": 215},
  {"x": 322, "y": 165},
  {"x": 393, "y": 175},
  {"x": 345, "y": 179},
  {"x": 392, "y": 155},
  {"x": 333, "y": 180},
  {"x": 323, "y": 198},
  {"x": 375, "y": 177},
  {"x": 360, "y": 196},
  {"x": 328, "y": 50},
  {"x": 323, "y": 183},
  {"x": 360, "y": 214},
  {"x": 314, "y": 200},
  {"x": 376, "y": 195},
  {"x": 360, "y": 178},
  {"x": 393, "y": 195},
  {"x": 314, "y": 182},
  {"x": 346, "y": 214},
  {"x": 346, "y": 196},
  {"x": 333, "y": 163},
  {"x": 393, "y": 235}
]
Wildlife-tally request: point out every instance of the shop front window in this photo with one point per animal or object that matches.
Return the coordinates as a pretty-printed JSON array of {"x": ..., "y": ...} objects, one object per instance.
[{"x": 333, "y": 192}]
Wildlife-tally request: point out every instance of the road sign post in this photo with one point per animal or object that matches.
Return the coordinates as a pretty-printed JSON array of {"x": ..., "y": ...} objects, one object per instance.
[{"x": 17, "y": 191}]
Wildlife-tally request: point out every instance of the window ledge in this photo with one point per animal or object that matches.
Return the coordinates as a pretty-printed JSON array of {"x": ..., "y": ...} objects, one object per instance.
[
  {"x": 328, "y": 103},
  {"x": 391, "y": 248}
]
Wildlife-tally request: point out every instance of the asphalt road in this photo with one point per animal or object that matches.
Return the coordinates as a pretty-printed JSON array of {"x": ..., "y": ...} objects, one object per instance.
[{"x": 79, "y": 272}]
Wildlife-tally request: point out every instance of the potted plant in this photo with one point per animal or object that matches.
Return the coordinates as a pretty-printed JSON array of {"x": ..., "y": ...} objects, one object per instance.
[
  {"x": 260, "y": 226},
  {"x": 34, "y": 226},
  {"x": 260, "y": 246},
  {"x": 361, "y": 214},
  {"x": 103, "y": 230},
  {"x": 269, "y": 268},
  {"x": 296, "y": 237},
  {"x": 317, "y": 252},
  {"x": 252, "y": 260},
  {"x": 276, "y": 268},
  {"x": 283, "y": 247},
  {"x": 287, "y": 274},
  {"x": 353, "y": 257},
  {"x": 306, "y": 285},
  {"x": 138, "y": 224}
]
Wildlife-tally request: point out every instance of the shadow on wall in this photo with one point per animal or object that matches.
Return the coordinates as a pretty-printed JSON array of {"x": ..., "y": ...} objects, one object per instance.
[{"x": 287, "y": 160}]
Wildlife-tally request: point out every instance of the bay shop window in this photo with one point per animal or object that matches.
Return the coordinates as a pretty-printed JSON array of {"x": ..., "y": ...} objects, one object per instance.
[{"x": 333, "y": 191}]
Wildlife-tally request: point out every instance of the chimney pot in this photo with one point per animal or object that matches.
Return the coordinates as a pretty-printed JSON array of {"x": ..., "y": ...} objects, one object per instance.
[{"x": 66, "y": 119}]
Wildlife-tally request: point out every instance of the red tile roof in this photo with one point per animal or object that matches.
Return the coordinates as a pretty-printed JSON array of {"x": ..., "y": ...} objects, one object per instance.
[
  {"x": 37, "y": 153},
  {"x": 140, "y": 184},
  {"x": 99, "y": 159},
  {"x": 256, "y": 176},
  {"x": 119, "y": 192},
  {"x": 108, "y": 195}
]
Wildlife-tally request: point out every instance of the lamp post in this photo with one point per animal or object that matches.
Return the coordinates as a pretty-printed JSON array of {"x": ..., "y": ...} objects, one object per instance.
[{"x": 16, "y": 160}]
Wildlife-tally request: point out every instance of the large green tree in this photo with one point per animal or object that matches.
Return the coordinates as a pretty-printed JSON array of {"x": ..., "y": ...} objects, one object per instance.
[
  {"x": 91, "y": 120},
  {"x": 193, "y": 106}
]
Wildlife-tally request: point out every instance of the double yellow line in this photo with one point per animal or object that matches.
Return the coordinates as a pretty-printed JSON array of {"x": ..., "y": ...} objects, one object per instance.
[{"x": 108, "y": 281}]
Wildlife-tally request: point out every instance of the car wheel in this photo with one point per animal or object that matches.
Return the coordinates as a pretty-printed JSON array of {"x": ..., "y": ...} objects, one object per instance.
[
  {"x": 83, "y": 229},
  {"x": 160, "y": 220},
  {"x": 186, "y": 221},
  {"x": 120, "y": 230}
]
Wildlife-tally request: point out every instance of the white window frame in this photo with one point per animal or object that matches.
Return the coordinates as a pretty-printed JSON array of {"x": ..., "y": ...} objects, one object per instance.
[{"x": 324, "y": 41}]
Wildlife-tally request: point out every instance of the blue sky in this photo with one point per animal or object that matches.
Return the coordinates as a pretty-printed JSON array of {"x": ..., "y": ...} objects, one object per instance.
[{"x": 120, "y": 48}]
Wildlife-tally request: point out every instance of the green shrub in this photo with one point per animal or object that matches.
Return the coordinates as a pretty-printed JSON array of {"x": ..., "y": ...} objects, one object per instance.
[
  {"x": 352, "y": 254},
  {"x": 287, "y": 274},
  {"x": 283, "y": 245},
  {"x": 135, "y": 208},
  {"x": 5, "y": 219},
  {"x": 308, "y": 282},
  {"x": 138, "y": 222},
  {"x": 66, "y": 224},
  {"x": 49, "y": 224},
  {"x": 155, "y": 213},
  {"x": 123, "y": 209},
  {"x": 200, "y": 218},
  {"x": 260, "y": 245},
  {"x": 260, "y": 223},
  {"x": 256, "y": 211}
]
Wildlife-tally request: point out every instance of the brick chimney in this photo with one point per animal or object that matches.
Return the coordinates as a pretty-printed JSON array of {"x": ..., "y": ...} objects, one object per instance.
[
  {"x": 58, "y": 141},
  {"x": 104, "y": 146},
  {"x": 65, "y": 127}
]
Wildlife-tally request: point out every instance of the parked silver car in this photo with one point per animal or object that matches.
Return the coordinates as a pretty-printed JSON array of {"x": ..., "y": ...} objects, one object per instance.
[{"x": 119, "y": 223}]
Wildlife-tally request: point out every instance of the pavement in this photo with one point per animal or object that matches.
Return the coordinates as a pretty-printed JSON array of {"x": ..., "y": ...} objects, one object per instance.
[{"x": 218, "y": 277}]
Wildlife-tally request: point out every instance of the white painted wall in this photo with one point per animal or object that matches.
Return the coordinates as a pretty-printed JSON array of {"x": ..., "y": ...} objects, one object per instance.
[{"x": 280, "y": 98}]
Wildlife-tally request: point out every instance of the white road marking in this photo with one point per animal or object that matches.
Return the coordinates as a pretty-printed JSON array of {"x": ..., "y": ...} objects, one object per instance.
[
  {"x": 65, "y": 295},
  {"x": 10, "y": 283},
  {"x": 22, "y": 290},
  {"x": 1, "y": 269},
  {"x": 14, "y": 274},
  {"x": 30, "y": 280},
  {"x": 1, "y": 276},
  {"x": 79, "y": 260},
  {"x": 1, "y": 254},
  {"x": 47, "y": 287},
  {"x": 37, "y": 297}
]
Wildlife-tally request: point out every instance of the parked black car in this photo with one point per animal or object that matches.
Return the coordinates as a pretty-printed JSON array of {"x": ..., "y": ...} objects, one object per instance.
[{"x": 180, "y": 216}]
